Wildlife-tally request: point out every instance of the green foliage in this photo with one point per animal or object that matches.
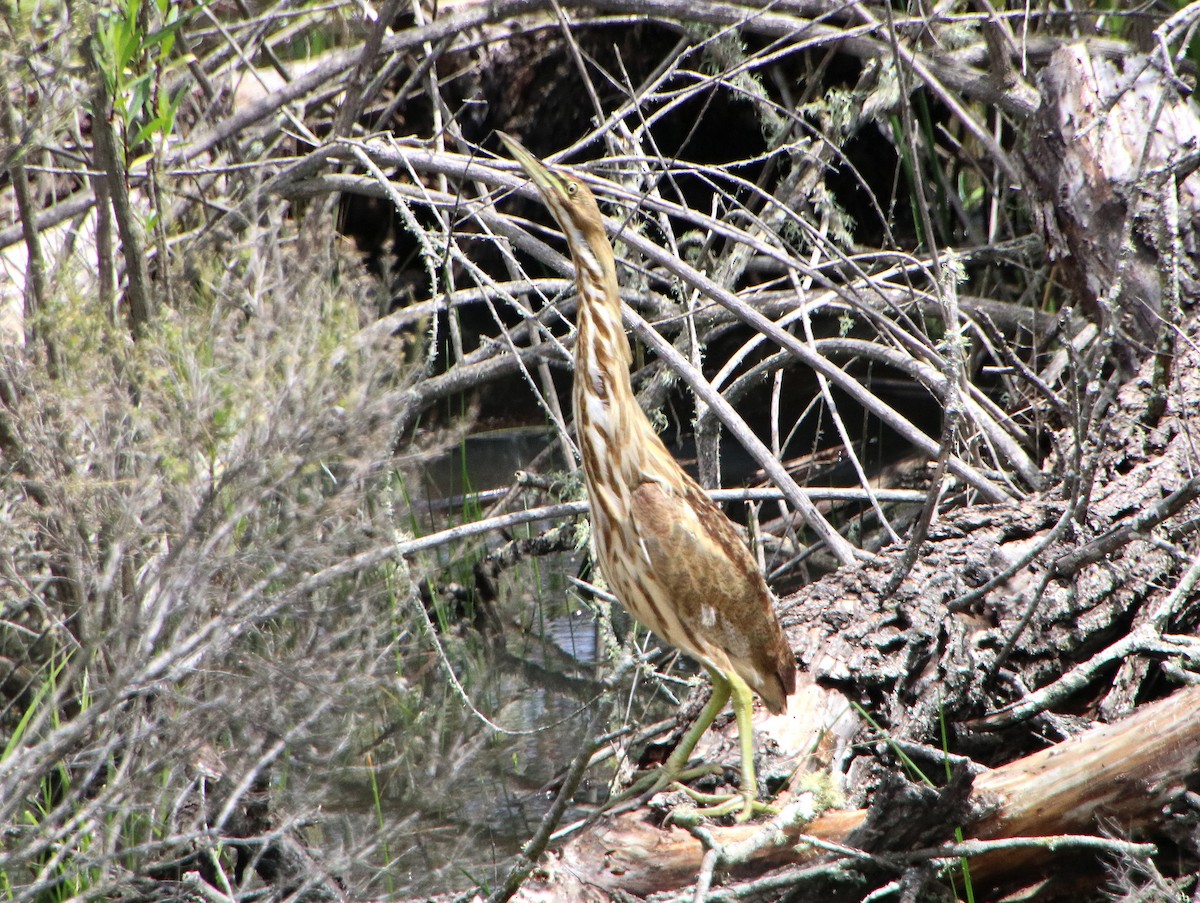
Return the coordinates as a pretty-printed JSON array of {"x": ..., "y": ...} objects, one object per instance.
[
  {"x": 725, "y": 54},
  {"x": 840, "y": 222},
  {"x": 846, "y": 322},
  {"x": 825, "y": 787},
  {"x": 963, "y": 862},
  {"x": 956, "y": 35},
  {"x": 136, "y": 63},
  {"x": 45, "y": 689},
  {"x": 65, "y": 874}
]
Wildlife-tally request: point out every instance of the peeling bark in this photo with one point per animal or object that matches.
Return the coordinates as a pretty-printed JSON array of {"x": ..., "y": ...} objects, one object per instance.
[{"x": 1107, "y": 142}]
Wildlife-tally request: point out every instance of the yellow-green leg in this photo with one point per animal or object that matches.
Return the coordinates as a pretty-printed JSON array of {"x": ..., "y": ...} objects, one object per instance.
[
  {"x": 745, "y": 803},
  {"x": 675, "y": 768},
  {"x": 743, "y": 709}
]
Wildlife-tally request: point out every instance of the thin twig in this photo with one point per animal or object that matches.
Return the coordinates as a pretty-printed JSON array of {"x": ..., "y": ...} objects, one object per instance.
[
  {"x": 532, "y": 851},
  {"x": 1145, "y": 637}
]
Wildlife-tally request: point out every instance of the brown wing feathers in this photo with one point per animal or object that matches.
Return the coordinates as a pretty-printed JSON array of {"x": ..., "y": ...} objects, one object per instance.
[{"x": 714, "y": 585}]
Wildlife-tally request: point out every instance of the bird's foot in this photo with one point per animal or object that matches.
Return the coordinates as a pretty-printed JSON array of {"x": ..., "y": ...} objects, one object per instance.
[
  {"x": 718, "y": 805},
  {"x": 657, "y": 780}
]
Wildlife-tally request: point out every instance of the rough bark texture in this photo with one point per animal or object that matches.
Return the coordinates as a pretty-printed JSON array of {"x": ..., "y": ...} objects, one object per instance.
[
  {"x": 921, "y": 651},
  {"x": 1110, "y": 145},
  {"x": 1125, "y": 773}
]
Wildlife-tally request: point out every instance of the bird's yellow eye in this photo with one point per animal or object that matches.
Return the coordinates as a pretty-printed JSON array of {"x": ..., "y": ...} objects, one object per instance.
[{"x": 572, "y": 189}]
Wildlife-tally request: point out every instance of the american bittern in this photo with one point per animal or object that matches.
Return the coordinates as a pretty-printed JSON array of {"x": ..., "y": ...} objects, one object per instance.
[{"x": 668, "y": 553}]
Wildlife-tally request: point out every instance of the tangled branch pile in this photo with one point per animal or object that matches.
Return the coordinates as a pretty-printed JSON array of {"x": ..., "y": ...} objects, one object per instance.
[{"x": 940, "y": 264}]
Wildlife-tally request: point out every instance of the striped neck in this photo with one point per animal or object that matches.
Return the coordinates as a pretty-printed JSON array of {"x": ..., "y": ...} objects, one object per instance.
[{"x": 616, "y": 439}]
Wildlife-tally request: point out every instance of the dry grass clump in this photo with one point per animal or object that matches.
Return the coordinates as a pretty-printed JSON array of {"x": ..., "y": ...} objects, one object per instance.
[{"x": 178, "y": 542}]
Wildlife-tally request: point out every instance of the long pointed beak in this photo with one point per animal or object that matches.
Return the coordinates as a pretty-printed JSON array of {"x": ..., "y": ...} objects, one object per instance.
[{"x": 542, "y": 177}]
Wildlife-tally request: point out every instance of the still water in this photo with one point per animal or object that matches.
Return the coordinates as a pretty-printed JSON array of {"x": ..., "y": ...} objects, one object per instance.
[{"x": 455, "y": 795}]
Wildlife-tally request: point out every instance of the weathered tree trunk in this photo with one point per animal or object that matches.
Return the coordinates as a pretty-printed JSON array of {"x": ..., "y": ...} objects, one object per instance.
[
  {"x": 1123, "y": 773},
  {"x": 1110, "y": 154}
]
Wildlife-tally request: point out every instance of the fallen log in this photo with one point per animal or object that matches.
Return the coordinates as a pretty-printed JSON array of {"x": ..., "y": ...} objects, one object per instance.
[{"x": 1125, "y": 772}]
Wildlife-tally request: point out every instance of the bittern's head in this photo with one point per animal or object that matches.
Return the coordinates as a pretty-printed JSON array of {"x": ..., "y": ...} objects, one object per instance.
[{"x": 571, "y": 202}]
